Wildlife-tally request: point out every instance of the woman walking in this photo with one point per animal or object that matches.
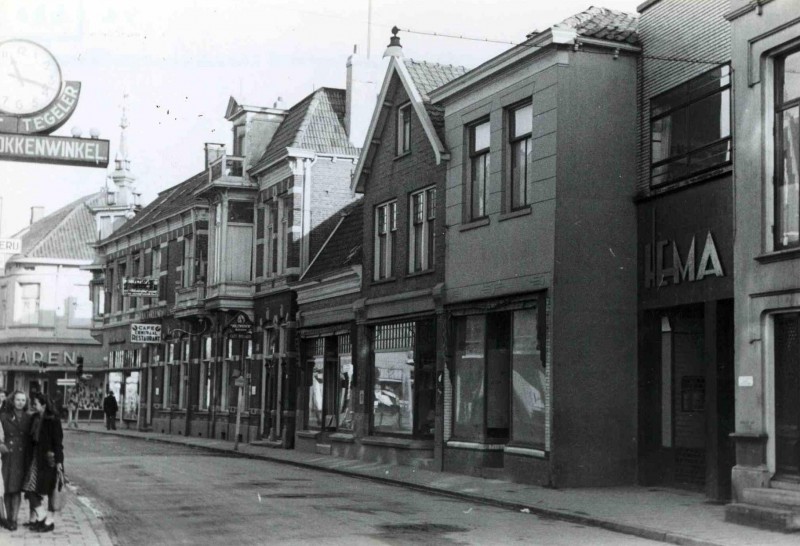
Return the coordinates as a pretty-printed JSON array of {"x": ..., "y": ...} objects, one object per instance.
[
  {"x": 16, "y": 425},
  {"x": 48, "y": 459}
]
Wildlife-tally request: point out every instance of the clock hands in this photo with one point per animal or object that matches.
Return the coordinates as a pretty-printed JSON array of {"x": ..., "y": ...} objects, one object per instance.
[
  {"x": 34, "y": 82},
  {"x": 17, "y": 73}
]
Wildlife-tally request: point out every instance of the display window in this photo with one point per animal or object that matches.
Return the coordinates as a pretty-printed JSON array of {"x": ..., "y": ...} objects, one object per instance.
[{"x": 330, "y": 366}]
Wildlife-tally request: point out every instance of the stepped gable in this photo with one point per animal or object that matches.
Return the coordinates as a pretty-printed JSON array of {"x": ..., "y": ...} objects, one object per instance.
[
  {"x": 63, "y": 234},
  {"x": 316, "y": 123},
  {"x": 168, "y": 202},
  {"x": 343, "y": 248},
  {"x": 604, "y": 24}
]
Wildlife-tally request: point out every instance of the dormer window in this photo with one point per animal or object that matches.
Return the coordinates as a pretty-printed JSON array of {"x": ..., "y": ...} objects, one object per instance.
[
  {"x": 404, "y": 129},
  {"x": 238, "y": 140}
]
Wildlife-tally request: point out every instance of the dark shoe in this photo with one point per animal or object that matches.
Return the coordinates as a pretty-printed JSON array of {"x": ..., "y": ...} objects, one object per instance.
[
  {"x": 12, "y": 526},
  {"x": 44, "y": 528},
  {"x": 29, "y": 523},
  {"x": 34, "y": 525}
]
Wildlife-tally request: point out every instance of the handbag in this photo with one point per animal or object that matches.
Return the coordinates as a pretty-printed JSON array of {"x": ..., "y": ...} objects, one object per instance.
[{"x": 58, "y": 497}]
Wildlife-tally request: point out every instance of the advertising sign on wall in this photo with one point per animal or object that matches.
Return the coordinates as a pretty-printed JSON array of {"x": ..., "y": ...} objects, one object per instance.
[{"x": 136, "y": 286}]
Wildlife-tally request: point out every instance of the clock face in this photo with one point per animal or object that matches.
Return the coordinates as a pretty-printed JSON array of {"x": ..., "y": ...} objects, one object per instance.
[{"x": 30, "y": 78}]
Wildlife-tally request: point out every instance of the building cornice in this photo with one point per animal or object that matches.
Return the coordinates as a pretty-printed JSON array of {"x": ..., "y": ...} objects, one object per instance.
[{"x": 753, "y": 5}]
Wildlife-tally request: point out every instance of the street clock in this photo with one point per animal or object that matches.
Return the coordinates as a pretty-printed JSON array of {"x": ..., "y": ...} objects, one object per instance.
[{"x": 30, "y": 78}]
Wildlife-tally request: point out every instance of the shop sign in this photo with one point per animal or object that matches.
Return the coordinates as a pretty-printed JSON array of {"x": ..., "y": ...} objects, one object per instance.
[
  {"x": 57, "y": 150},
  {"x": 684, "y": 267},
  {"x": 10, "y": 246},
  {"x": 145, "y": 333},
  {"x": 31, "y": 358},
  {"x": 241, "y": 327},
  {"x": 140, "y": 287}
]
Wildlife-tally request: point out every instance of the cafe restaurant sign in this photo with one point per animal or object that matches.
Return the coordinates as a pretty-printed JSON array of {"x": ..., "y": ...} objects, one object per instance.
[{"x": 145, "y": 333}]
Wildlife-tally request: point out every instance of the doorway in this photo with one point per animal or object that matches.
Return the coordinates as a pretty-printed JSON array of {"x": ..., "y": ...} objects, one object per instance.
[{"x": 787, "y": 395}]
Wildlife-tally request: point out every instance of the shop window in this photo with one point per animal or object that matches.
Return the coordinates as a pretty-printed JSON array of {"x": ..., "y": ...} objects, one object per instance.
[
  {"x": 316, "y": 395},
  {"x": 499, "y": 379},
  {"x": 404, "y": 129},
  {"x": 478, "y": 173},
  {"x": 520, "y": 126},
  {"x": 345, "y": 410},
  {"x": 787, "y": 150},
  {"x": 331, "y": 383},
  {"x": 422, "y": 230},
  {"x": 403, "y": 378},
  {"x": 130, "y": 402},
  {"x": 690, "y": 127},
  {"x": 385, "y": 240}
]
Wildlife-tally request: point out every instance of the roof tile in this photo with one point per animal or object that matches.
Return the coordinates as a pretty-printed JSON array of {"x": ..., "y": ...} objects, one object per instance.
[{"x": 608, "y": 24}]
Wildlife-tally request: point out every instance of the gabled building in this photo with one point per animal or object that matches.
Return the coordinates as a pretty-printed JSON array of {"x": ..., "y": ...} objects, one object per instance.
[
  {"x": 400, "y": 317},
  {"x": 539, "y": 376}
]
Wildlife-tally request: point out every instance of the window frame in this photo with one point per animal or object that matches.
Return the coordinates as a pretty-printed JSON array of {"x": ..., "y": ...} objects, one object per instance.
[
  {"x": 781, "y": 106},
  {"x": 403, "y": 133},
  {"x": 512, "y": 141},
  {"x": 427, "y": 230},
  {"x": 473, "y": 155},
  {"x": 383, "y": 265},
  {"x": 684, "y": 105},
  {"x": 25, "y": 318}
]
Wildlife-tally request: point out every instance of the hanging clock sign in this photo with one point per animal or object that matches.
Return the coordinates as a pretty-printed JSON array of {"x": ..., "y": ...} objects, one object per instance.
[
  {"x": 34, "y": 102},
  {"x": 33, "y": 97}
]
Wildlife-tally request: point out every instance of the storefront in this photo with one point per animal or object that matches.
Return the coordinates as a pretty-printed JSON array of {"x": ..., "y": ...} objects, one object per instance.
[{"x": 686, "y": 410}]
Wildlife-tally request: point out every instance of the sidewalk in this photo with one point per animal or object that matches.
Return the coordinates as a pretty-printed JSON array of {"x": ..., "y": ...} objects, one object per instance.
[
  {"x": 77, "y": 525},
  {"x": 665, "y": 515}
]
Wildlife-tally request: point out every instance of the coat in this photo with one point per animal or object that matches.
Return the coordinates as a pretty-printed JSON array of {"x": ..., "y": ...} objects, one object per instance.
[
  {"x": 18, "y": 443},
  {"x": 110, "y": 406},
  {"x": 50, "y": 440}
]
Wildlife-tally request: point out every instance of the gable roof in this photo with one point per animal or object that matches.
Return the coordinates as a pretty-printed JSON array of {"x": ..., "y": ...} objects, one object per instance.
[
  {"x": 343, "y": 248},
  {"x": 604, "y": 24},
  {"x": 65, "y": 233},
  {"x": 168, "y": 202},
  {"x": 316, "y": 123},
  {"x": 418, "y": 78}
]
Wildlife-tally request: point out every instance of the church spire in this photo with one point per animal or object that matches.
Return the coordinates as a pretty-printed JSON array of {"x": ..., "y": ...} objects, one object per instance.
[{"x": 122, "y": 162}]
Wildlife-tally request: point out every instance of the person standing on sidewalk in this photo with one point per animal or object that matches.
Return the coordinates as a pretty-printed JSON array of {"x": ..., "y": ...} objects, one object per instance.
[
  {"x": 16, "y": 424},
  {"x": 48, "y": 459},
  {"x": 110, "y": 408},
  {"x": 72, "y": 411}
]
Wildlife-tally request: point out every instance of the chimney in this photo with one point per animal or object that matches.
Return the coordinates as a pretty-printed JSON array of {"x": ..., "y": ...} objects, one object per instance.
[
  {"x": 362, "y": 92},
  {"x": 36, "y": 214},
  {"x": 213, "y": 152}
]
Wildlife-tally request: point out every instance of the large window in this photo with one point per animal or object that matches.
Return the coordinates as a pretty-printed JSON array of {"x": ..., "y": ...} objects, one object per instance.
[
  {"x": 691, "y": 127},
  {"x": 330, "y": 403},
  {"x": 404, "y": 129},
  {"x": 520, "y": 125},
  {"x": 787, "y": 148},
  {"x": 403, "y": 378},
  {"x": 240, "y": 212},
  {"x": 28, "y": 303},
  {"x": 422, "y": 212},
  {"x": 385, "y": 236},
  {"x": 479, "y": 137},
  {"x": 499, "y": 380}
]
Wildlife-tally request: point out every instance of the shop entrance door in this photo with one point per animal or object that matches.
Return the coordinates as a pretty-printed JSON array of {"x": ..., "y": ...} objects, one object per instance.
[{"x": 787, "y": 395}]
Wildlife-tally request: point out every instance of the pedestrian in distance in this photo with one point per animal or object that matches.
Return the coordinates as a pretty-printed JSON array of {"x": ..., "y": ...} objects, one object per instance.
[
  {"x": 110, "y": 408},
  {"x": 47, "y": 461},
  {"x": 72, "y": 410},
  {"x": 3, "y": 395},
  {"x": 16, "y": 424}
]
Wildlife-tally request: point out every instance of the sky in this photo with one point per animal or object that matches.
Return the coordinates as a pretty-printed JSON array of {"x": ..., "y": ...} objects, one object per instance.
[{"x": 179, "y": 61}]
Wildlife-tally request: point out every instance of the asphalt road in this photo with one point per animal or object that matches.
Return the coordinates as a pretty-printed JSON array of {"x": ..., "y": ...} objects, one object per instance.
[{"x": 152, "y": 493}]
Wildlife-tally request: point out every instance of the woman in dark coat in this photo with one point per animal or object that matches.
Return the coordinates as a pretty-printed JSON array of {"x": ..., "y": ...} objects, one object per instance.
[
  {"x": 48, "y": 458},
  {"x": 16, "y": 423}
]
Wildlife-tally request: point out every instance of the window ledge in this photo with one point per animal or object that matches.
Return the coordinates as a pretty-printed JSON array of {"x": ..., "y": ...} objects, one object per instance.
[
  {"x": 420, "y": 273},
  {"x": 399, "y": 443},
  {"x": 311, "y": 434},
  {"x": 475, "y": 446},
  {"x": 474, "y": 224},
  {"x": 401, "y": 156},
  {"x": 526, "y": 452},
  {"x": 779, "y": 255},
  {"x": 524, "y": 211},
  {"x": 342, "y": 437},
  {"x": 384, "y": 281}
]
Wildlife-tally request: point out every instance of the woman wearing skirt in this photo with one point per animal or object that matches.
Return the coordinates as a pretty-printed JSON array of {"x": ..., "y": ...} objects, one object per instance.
[
  {"x": 48, "y": 458},
  {"x": 15, "y": 422}
]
